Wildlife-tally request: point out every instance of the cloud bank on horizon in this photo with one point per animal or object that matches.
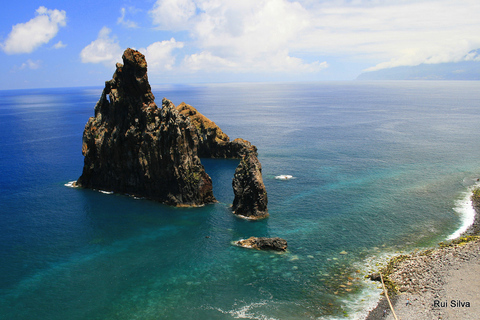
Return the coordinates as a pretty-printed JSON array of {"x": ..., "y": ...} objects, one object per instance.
[{"x": 264, "y": 36}]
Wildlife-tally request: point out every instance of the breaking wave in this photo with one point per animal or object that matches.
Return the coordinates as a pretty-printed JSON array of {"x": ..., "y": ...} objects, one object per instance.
[
  {"x": 464, "y": 207},
  {"x": 284, "y": 177}
]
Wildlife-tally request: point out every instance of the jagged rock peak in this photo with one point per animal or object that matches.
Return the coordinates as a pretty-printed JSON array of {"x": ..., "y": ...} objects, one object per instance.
[
  {"x": 132, "y": 76},
  {"x": 133, "y": 147}
]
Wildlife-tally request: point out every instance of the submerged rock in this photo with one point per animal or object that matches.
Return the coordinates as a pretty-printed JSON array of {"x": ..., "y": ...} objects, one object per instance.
[
  {"x": 133, "y": 147},
  {"x": 277, "y": 244}
]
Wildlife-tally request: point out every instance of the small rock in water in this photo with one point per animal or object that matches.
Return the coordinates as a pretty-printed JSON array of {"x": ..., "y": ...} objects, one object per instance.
[
  {"x": 277, "y": 244},
  {"x": 375, "y": 276}
]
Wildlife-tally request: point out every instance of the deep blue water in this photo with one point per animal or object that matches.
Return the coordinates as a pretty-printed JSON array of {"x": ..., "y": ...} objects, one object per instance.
[{"x": 378, "y": 167}]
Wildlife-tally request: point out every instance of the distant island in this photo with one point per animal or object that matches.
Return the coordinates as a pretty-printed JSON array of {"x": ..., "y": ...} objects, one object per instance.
[{"x": 133, "y": 147}]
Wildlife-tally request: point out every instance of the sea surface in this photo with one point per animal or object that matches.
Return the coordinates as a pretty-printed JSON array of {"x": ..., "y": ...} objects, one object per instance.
[{"x": 377, "y": 168}]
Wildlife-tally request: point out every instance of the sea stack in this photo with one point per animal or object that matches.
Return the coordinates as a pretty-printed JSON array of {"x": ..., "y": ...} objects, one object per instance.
[
  {"x": 133, "y": 147},
  {"x": 250, "y": 194}
]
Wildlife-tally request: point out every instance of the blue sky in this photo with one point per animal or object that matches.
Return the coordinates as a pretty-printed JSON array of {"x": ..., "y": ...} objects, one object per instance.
[{"x": 65, "y": 43}]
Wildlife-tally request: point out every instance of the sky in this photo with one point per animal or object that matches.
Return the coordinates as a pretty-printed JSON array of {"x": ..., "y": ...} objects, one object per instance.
[{"x": 68, "y": 43}]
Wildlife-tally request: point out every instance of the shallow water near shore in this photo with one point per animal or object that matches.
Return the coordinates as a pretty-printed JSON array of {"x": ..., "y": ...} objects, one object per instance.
[{"x": 376, "y": 168}]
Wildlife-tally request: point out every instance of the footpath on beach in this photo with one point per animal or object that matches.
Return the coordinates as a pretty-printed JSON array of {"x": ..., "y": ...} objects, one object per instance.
[{"x": 438, "y": 283}]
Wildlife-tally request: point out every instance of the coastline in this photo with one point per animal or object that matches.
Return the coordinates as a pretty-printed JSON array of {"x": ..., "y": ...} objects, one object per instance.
[{"x": 437, "y": 283}]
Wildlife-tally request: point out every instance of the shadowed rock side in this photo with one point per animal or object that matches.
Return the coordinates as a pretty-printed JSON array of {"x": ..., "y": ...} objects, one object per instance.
[
  {"x": 250, "y": 194},
  {"x": 131, "y": 146}
]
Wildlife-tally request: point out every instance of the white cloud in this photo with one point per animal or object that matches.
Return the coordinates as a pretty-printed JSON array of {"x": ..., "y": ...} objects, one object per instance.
[
  {"x": 433, "y": 56},
  {"x": 279, "y": 34},
  {"x": 30, "y": 64},
  {"x": 397, "y": 33},
  {"x": 283, "y": 62},
  {"x": 103, "y": 50},
  {"x": 59, "y": 45},
  {"x": 172, "y": 14},
  {"x": 125, "y": 22},
  {"x": 28, "y": 36},
  {"x": 239, "y": 36},
  {"x": 207, "y": 61},
  {"x": 253, "y": 26},
  {"x": 159, "y": 54}
]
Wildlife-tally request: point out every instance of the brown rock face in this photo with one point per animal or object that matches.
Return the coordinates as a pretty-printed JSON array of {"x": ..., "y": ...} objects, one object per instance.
[
  {"x": 133, "y": 147},
  {"x": 213, "y": 143}
]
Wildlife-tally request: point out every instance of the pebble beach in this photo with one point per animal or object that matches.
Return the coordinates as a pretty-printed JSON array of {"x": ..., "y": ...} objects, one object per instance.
[{"x": 438, "y": 283}]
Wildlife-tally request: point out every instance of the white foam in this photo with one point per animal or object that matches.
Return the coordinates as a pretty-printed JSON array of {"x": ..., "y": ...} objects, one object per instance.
[
  {"x": 70, "y": 184},
  {"x": 464, "y": 207},
  {"x": 245, "y": 312},
  {"x": 284, "y": 177},
  {"x": 359, "y": 304}
]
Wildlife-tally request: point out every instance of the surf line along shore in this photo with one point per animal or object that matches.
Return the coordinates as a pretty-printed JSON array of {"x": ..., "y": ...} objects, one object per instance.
[{"x": 437, "y": 283}]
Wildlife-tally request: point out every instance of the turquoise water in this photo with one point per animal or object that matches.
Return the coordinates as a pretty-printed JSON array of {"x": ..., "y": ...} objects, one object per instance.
[{"x": 377, "y": 167}]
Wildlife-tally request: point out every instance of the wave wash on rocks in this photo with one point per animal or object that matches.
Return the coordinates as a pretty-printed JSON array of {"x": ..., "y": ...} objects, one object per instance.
[{"x": 133, "y": 147}]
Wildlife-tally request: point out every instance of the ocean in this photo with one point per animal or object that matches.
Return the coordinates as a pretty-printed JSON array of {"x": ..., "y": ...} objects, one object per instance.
[{"x": 377, "y": 168}]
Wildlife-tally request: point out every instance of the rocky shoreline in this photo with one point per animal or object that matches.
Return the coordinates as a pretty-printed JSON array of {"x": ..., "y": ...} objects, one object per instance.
[{"x": 438, "y": 283}]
